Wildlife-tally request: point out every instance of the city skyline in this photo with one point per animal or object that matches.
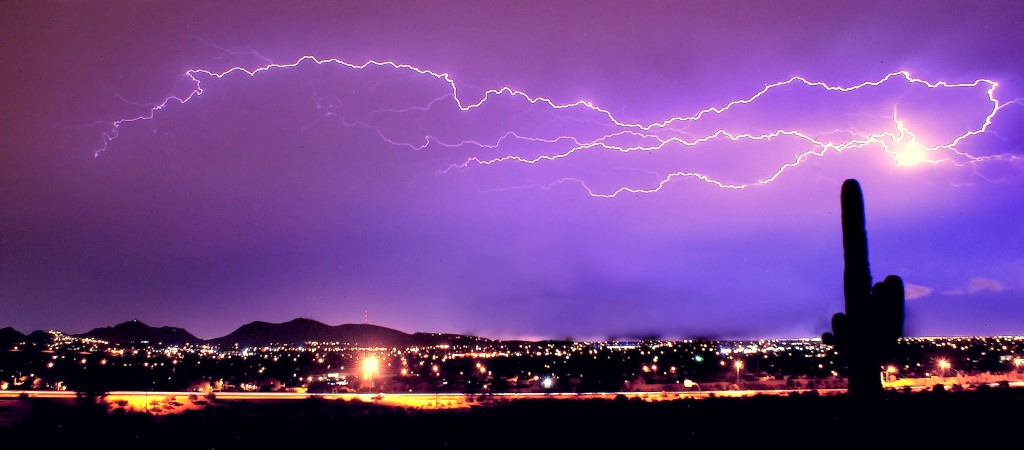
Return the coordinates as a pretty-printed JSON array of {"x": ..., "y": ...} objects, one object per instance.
[{"x": 509, "y": 170}]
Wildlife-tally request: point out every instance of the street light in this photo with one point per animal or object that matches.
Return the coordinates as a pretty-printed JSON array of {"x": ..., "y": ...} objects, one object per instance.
[
  {"x": 943, "y": 365},
  {"x": 370, "y": 367},
  {"x": 437, "y": 370},
  {"x": 738, "y": 365},
  {"x": 890, "y": 373},
  {"x": 688, "y": 383}
]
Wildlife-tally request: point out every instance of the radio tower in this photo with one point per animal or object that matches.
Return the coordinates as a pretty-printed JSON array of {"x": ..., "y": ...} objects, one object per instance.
[{"x": 366, "y": 316}]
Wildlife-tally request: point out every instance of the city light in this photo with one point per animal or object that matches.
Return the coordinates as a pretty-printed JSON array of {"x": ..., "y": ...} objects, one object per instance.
[
  {"x": 781, "y": 365},
  {"x": 370, "y": 366}
]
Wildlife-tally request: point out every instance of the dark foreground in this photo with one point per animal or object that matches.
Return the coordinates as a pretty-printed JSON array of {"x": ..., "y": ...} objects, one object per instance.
[{"x": 982, "y": 419}]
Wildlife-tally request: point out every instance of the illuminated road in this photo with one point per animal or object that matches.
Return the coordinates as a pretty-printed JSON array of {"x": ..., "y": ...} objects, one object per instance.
[
  {"x": 172, "y": 402},
  {"x": 142, "y": 400}
]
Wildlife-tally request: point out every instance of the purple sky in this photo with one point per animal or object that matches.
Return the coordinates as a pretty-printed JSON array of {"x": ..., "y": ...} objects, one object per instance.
[{"x": 324, "y": 190}]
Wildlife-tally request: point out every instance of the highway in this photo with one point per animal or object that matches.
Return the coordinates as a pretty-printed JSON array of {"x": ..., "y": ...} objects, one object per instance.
[
  {"x": 173, "y": 401},
  {"x": 166, "y": 402}
]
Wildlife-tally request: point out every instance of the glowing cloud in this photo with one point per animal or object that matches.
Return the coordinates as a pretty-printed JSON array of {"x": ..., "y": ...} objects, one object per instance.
[
  {"x": 979, "y": 284},
  {"x": 916, "y": 291}
]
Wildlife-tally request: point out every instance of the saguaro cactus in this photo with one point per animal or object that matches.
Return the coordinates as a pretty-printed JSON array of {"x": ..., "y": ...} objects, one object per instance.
[{"x": 873, "y": 322}]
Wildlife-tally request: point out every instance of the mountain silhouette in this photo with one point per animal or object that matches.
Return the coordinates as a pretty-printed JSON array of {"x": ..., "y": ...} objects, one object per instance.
[
  {"x": 136, "y": 331},
  {"x": 9, "y": 337},
  {"x": 254, "y": 334},
  {"x": 38, "y": 337},
  {"x": 297, "y": 331}
]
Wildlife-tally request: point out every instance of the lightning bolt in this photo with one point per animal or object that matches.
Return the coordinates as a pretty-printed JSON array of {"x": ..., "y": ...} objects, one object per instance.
[{"x": 598, "y": 130}]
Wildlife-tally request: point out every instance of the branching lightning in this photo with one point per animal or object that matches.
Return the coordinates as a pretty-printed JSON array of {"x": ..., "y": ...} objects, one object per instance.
[{"x": 607, "y": 133}]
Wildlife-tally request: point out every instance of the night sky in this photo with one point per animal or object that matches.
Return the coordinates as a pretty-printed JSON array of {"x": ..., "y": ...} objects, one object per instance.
[{"x": 637, "y": 178}]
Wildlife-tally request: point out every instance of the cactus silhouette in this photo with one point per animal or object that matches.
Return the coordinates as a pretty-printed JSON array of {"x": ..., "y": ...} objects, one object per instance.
[{"x": 869, "y": 330}]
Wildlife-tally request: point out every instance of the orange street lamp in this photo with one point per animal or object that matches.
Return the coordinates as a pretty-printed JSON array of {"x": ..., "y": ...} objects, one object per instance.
[
  {"x": 370, "y": 366},
  {"x": 889, "y": 374},
  {"x": 738, "y": 365}
]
